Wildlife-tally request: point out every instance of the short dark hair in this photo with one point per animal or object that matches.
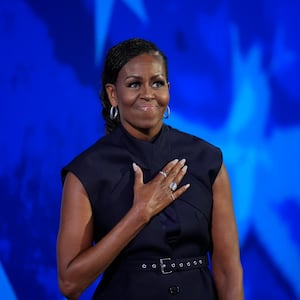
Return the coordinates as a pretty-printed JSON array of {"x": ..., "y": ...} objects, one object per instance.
[{"x": 116, "y": 58}]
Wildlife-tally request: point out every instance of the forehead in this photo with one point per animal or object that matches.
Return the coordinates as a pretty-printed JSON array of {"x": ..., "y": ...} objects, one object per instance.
[{"x": 146, "y": 62}]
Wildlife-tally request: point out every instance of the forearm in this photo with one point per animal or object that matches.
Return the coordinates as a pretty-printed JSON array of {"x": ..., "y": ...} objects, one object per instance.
[
  {"x": 90, "y": 263},
  {"x": 229, "y": 283}
]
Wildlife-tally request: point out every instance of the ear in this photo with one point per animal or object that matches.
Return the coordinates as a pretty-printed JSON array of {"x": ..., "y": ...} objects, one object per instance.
[{"x": 111, "y": 93}]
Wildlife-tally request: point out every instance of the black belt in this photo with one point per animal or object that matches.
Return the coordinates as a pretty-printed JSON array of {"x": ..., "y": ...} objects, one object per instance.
[{"x": 169, "y": 265}]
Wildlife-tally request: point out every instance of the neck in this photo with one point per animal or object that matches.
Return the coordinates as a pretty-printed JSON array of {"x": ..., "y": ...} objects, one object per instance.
[{"x": 144, "y": 134}]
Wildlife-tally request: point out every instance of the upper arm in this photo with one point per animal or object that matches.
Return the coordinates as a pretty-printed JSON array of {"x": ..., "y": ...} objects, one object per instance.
[
  {"x": 76, "y": 223},
  {"x": 224, "y": 230}
]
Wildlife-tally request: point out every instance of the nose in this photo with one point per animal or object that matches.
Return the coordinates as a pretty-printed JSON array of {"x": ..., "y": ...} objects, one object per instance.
[{"x": 147, "y": 93}]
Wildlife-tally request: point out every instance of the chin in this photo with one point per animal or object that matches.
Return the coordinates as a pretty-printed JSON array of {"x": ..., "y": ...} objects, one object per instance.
[{"x": 150, "y": 124}]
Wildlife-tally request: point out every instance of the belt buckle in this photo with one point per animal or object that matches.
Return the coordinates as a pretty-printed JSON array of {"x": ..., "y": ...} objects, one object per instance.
[{"x": 163, "y": 265}]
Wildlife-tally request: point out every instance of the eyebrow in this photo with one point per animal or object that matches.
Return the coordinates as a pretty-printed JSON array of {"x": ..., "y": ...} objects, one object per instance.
[{"x": 160, "y": 75}]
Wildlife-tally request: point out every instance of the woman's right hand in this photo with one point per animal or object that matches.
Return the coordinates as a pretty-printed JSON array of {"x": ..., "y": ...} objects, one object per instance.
[{"x": 152, "y": 197}]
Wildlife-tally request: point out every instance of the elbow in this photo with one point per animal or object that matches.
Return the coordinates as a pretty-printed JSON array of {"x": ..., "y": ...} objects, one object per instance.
[
  {"x": 237, "y": 280},
  {"x": 240, "y": 275},
  {"x": 229, "y": 282},
  {"x": 69, "y": 289},
  {"x": 233, "y": 275},
  {"x": 235, "y": 272}
]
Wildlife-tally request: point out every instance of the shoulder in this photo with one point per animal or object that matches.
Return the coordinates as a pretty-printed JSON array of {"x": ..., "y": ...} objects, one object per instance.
[
  {"x": 203, "y": 156},
  {"x": 190, "y": 140},
  {"x": 89, "y": 160}
]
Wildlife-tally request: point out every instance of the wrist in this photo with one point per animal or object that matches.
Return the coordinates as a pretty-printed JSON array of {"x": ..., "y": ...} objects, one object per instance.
[{"x": 140, "y": 214}]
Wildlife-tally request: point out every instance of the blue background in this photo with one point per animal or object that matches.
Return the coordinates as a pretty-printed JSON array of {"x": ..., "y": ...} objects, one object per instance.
[{"x": 234, "y": 71}]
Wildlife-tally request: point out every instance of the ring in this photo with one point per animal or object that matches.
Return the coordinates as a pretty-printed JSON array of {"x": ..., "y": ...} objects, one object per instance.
[
  {"x": 163, "y": 173},
  {"x": 173, "y": 186}
]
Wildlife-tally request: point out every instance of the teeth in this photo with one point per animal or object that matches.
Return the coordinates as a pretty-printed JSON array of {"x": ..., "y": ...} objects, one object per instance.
[{"x": 145, "y": 108}]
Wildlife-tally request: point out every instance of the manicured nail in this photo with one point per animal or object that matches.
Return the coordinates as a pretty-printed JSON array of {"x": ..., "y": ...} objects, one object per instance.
[
  {"x": 184, "y": 168},
  {"x": 183, "y": 161},
  {"x": 175, "y": 161},
  {"x": 187, "y": 186},
  {"x": 134, "y": 165}
]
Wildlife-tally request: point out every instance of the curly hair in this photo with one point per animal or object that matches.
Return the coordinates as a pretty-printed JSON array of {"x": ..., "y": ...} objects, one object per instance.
[{"x": 116, "y": 58}]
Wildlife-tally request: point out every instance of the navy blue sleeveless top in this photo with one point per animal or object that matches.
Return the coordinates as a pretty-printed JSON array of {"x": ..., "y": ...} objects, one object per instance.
[{"x": 182, "y": 230}]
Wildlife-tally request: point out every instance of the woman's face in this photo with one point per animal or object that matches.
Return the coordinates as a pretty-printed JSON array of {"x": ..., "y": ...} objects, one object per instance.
[{"x": 141, "y": 93}]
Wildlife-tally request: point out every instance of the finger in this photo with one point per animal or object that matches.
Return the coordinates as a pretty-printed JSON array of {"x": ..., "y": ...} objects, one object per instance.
[
  {"x": 180, "y": 191},
  {"x": 168, "y": 168},
  {"x": 163, "y": 173},
  {"x": 138, "y": 174},
  {"x": 181, "y": 171},
  {"x": 180, "y": 174},
  {"x": 178, "y": 168},
  {"x": 172, "y": 197}
]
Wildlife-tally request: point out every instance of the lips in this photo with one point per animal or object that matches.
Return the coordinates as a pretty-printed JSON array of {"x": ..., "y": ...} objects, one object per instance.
[{"x": 147, "y": 107}]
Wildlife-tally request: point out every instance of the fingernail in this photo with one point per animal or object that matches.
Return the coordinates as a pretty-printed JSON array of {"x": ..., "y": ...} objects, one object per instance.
[
  {"x": 134, "y": 165},
  {"x": 175, "y": 161},
  {"x": 183, "y": 161},
  {"x": 184, "y": 168},
  {"x": 187, "y": 186}
]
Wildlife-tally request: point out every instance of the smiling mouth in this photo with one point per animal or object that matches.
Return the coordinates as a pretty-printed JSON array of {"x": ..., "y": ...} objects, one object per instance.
[{"x": 148, "y": 107}]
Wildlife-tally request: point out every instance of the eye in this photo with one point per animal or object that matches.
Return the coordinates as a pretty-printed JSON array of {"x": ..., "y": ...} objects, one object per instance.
[
  {"x": 133, "y": 85},
  {"x": 158, "y": 84}
]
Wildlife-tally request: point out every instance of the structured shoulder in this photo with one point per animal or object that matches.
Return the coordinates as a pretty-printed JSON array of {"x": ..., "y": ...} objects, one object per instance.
[
  {"x": 188, "y": 140},
  {"x": 203, "y": 156}
]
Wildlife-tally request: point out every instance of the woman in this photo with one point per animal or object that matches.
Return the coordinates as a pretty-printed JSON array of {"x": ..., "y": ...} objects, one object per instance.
[{"x": 147, "y": 205}]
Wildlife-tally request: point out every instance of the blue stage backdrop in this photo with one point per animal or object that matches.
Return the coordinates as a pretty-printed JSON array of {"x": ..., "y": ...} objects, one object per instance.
[{"x": 234, "y": 73}]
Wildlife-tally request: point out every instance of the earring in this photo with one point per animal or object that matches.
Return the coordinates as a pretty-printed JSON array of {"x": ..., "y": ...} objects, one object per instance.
[
  {"x": 113, "y": 113},
  {"x": 167, "y": 112}
]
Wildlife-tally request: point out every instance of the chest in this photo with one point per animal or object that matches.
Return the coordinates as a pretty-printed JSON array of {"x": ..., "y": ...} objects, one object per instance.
[{"x": 115, "y": 198}]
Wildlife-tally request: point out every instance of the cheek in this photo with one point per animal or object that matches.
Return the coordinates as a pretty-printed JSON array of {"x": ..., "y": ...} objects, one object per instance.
[
  {"x": 126, "y": 96},
  {"x": 165, "y": 98}
]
